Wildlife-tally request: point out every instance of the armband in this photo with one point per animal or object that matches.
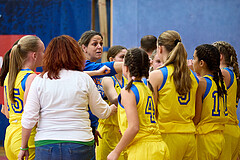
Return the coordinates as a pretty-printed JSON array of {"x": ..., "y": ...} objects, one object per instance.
[{"x": 24, "y": 149}]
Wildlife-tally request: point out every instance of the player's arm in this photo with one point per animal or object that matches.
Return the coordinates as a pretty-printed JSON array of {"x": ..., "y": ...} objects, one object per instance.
[
  {"x": 29, "y": 80},
  {"x": 109, "y": 90},
  {"x": 156, "y": 79},
  {"x": 24, "y": 151},
  {"x": 118, "y": 66},
  {"x": 102, "y": 71},
  {"x": 199, "y": 100},
  {"x": 129, "y": 103},
  {"x": 226, "y": 77},
  {"x": 4, "y": 109}
]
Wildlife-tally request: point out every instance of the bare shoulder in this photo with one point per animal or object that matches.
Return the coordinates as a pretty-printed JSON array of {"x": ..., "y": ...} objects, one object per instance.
[
  {"x": 30, "y": 78},
  {"x": 156, "y": 74},
  {"x": 226, "y": 76},
  {"x": 202, "y": 85},
  {"x": 107, "y": 80}
]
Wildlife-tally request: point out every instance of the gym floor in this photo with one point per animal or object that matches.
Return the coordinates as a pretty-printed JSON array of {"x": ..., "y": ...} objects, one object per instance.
[{"x": 2, "y": 153}]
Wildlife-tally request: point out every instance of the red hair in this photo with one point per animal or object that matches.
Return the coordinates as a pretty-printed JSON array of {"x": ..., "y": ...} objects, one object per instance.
[{"x": 63, "y": 52}]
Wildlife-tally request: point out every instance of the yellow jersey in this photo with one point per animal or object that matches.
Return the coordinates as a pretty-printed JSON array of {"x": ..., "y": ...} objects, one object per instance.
[
  {"x": 113, "y": 120},
  {"x": 146, "y": 113},
  {"x": 13, "y": 136},
  {"x": 175, "y": 112},
  {"x": 231, "y": 98},
  {"x": 213, "y": 116},
  {"x": 16, "y": 109}
]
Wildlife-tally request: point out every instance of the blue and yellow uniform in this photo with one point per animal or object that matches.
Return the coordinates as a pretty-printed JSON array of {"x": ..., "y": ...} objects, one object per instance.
[
  {"x": 13, "y": 137},
  {"x": 175, "y": 114},
  {"x": 231, "y": 131},
  {"x": 209, "y": 134},
  {"x": 109, "y": 129},
  {"x": 148, "y": 143}
]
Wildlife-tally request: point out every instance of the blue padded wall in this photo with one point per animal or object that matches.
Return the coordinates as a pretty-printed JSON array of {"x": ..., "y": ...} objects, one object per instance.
[
  {"x": 45, "y": 18},
  {"x": 198, "y": 22}
]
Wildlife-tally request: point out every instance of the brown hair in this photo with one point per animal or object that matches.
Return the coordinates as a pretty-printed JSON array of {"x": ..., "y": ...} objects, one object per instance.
[
  {"x": 230, "y": 57},
  {"x": 63, "y": 52},
  {"x": 114, "y": 50},
  {"x": 149, "y": 43},
  {"x": 211, "y": 56},
  {"x": 87, "y": 36},
  {"x": 5, "y": 65},
  {"x": 177, "y": 56},
  {"x": 138, "y": 63}
]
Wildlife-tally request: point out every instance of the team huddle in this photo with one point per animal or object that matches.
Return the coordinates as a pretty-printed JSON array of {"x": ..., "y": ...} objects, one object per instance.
[{"x": 136, "y": 106}]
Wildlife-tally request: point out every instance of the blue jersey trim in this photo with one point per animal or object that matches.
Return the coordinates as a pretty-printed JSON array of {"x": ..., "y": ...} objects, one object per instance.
[
  {"x": 119, "y": 101},
  {"x": 165, "y": 74},
  {"x": 195, "y": 75},
  {"x": 209, "y": 85},
  {"x": 137, "y": 81},
  {"x": 231, "y": 75},
  {"x": 136, "y": 93},
  {"x": 23, "y": 82},
  {"x": 144, "y": 81},
  {"x": 116, "y": 80},
  {"x": 27, "y": 69},
  {"x": 91, "y": 66}
]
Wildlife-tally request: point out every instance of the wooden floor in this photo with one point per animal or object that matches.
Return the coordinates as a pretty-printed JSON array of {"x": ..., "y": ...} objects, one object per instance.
[{"x": 2, "y": 154}]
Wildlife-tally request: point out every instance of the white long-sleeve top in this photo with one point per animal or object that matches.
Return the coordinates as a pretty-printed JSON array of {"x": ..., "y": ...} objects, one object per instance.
[{"x": 60, "y": 106}]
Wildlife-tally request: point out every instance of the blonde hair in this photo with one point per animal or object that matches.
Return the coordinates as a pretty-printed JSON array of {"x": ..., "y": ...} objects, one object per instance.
[
  {"x": 18, "y": 57},
  {"x": 177, "y": 56}
]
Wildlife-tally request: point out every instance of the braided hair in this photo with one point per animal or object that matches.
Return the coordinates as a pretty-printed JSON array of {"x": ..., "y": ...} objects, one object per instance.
[
  {"x": 211, "y": 56},
  {"x": 138, "y": 63},
  {"x": 230, "y": 57}
]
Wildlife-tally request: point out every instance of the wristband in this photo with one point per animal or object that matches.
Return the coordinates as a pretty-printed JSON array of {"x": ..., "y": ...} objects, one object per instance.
[{"x": 24, "y": 149}]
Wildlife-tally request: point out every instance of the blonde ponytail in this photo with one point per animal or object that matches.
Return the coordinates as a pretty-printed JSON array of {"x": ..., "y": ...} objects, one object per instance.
[
  {"x": 177, "y": 56},
  {"x": 18, "y": 56}
]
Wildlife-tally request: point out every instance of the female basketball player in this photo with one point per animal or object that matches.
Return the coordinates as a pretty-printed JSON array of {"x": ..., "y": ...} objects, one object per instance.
[
  {"x": 25, "y": 56},
  {"x": 109, "y": 128},
  {"x": 175, "y": 89},
  {"x": 211, "y": 112},
  {"x": 136, "y": 112},
  {"x": 230, "y": 71}
]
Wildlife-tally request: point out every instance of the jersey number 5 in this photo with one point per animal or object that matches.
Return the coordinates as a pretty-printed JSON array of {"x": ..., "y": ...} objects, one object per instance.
[
  {"x": 150, "y": 109},
  {"x": 18, "y": 106}
]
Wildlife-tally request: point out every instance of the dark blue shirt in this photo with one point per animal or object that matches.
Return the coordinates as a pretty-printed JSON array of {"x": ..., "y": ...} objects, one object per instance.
[{"x": 91, "y": 66}]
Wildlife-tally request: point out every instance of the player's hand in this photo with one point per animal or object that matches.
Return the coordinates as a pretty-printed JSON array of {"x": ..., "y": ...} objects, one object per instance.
[
  {"x": 190, "y": 64},
  {"x": 104, "y": 70},
  {"x": 96, "y": 135},
  {"x": 113, "y": 156},
  {"x": 23, "y": 154},
  {"x": 113, "y": 109}
]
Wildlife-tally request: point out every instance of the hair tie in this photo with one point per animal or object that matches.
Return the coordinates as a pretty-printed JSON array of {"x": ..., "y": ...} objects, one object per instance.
[
  {"x": 176, "y": 41},
  {"x": 19, "y": 46}
]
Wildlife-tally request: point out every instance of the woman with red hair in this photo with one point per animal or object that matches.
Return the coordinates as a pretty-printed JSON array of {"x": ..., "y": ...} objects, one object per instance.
[{"x": 58, "y": 100}]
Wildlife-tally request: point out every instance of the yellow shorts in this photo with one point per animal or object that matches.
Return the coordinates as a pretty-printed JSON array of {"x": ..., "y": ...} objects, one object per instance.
[
  {"x": 210, "y": 145},
  {"x": 13, "y": 140},
  {"x": 110, "y": 138},
  {"x": 148, "y": 150},
  {"x": 181, "y": 145},
  {"x": 232, "y": 142}
]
